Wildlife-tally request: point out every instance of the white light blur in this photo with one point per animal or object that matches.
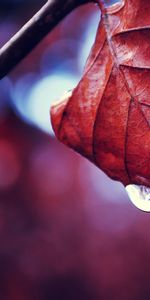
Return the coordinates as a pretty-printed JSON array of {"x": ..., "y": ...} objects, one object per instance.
[
  {"x": 89, "y": 38},
  {"x": 33, "y": 94},
  {"x": 32, "y": 98}
]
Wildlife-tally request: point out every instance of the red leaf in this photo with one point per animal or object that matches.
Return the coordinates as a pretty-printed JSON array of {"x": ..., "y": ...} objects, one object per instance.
[{"x": 107, "y": 116}]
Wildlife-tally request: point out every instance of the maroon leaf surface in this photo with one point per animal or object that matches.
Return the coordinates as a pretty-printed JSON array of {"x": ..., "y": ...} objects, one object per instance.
[{"x": 107, "y": 116}]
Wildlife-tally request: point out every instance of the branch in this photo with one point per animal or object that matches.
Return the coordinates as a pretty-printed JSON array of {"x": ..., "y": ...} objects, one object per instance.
[{"x": 23, "y": 42}]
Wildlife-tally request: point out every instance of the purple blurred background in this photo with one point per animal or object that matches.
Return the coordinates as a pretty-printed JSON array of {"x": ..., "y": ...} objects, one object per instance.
[{"x": 67, "y": 231}]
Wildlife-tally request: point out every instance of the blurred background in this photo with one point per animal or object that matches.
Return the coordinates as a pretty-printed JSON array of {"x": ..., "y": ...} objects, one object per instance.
[{"x": 67, "y": 231}]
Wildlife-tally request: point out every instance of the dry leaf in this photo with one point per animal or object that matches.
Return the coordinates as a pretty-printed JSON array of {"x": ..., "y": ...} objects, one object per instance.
[{"x": 107, "y": 116}]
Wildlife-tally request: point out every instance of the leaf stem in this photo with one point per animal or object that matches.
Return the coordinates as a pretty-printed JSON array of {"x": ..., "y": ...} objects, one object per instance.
[{"x": 24, "y": 41}]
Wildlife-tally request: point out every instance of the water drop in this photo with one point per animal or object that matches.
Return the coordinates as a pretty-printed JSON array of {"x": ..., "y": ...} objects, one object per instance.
[{"x": 139, "y": 196}]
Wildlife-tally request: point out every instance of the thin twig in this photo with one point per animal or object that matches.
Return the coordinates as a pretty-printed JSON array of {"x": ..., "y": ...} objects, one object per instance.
[{"x": 23, "y": 42}]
